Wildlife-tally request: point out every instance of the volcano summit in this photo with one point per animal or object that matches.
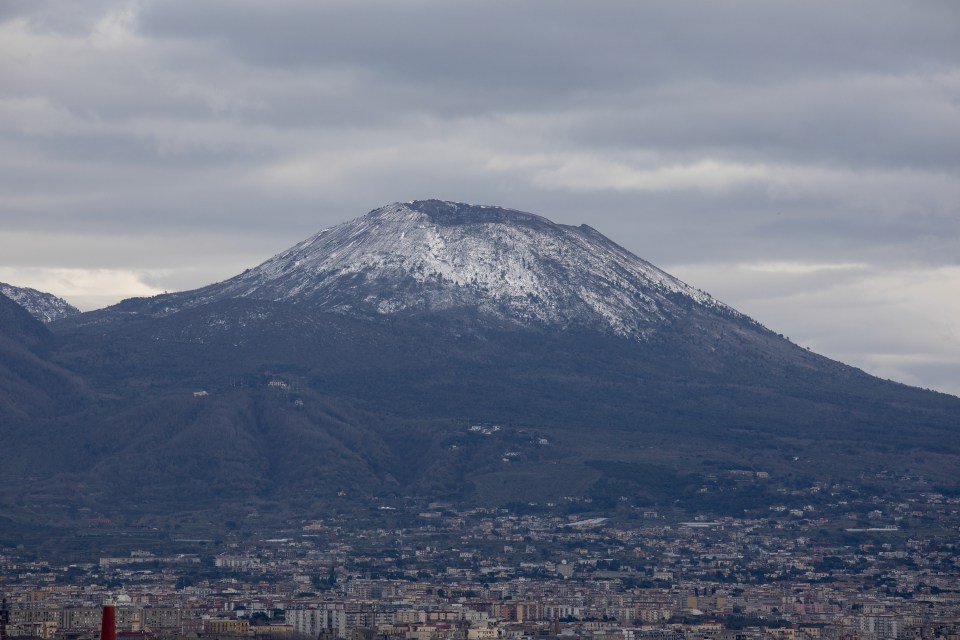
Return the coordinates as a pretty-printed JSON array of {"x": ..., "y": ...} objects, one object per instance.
[{"x": 433, "y": 256}]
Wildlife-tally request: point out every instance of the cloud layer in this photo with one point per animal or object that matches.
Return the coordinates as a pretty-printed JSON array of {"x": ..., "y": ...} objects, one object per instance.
[{"x": 162, "y": 145}]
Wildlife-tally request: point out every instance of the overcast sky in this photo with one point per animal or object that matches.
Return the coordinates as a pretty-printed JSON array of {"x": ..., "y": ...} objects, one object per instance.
[{"x": 798, "y": 160}]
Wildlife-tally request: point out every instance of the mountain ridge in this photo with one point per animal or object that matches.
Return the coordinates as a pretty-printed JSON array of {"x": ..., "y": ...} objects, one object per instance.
[{"x": 43, "y": 306}]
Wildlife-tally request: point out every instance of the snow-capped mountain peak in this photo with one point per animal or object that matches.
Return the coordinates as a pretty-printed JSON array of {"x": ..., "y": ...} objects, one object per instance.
[{"x": 430, "y": 256}]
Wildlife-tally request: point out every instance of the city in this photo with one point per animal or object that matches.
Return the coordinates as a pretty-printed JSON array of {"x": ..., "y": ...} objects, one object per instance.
[{"x": 433, "y": 571}]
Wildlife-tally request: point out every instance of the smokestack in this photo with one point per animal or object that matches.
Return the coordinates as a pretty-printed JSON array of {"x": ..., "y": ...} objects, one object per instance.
[{"x": 108, "y": 626}]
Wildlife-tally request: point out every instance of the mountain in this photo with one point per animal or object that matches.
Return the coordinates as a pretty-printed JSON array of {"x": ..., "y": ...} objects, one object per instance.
[
  {"x": 31, "y": 385},
  {"x": 19, "y": 326},
  {"x": 477, "y": 354},
  {"x": 45, "y": 307}
]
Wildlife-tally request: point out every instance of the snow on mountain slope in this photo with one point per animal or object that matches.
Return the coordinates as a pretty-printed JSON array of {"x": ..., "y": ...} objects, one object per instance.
[
  {"x": 431, "y": 256},
  {"x": 45, "y": 307}
]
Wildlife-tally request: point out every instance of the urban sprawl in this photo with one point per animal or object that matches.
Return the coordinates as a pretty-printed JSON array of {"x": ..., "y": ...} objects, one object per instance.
[{"x": 483, "y": 574}]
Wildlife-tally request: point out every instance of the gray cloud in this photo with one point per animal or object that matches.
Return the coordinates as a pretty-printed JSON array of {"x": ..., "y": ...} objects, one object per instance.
[
  {"x": 173, "y": 143},
  {"x": 572, "y": 45}
]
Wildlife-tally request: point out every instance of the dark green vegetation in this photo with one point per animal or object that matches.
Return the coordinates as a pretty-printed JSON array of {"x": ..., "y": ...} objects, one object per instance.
[{"x": 101, "y": 424}]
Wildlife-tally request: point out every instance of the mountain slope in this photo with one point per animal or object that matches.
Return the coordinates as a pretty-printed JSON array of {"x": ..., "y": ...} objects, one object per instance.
[
  {"x": 45, "y": 307},
  {"x": 30, "y": 384}
]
